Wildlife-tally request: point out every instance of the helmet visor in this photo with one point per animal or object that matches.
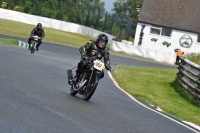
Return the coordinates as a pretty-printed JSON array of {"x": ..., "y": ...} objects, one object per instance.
[{"x": 102, "y": 43}]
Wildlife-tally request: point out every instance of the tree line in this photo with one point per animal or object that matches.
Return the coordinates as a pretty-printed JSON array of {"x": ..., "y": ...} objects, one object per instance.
[{"x": 91, "y": 13}]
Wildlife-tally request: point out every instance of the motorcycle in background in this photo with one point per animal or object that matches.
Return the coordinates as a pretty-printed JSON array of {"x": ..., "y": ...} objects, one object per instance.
[{"x": 34, "y": 44}]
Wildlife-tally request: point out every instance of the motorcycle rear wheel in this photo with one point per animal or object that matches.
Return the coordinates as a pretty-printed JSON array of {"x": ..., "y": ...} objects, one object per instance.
[{"x": 90, "y": 89}]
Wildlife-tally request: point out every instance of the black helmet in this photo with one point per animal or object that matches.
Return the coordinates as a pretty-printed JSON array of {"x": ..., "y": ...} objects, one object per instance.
[
  {"x": 102, "y": 37},
  {"x": 39, "y": 25}
]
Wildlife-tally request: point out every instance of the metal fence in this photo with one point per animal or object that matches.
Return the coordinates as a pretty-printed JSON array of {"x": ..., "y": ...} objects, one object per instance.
[
  {"x": 119, "y": 26},
  {"x": 189, "y": 77}
]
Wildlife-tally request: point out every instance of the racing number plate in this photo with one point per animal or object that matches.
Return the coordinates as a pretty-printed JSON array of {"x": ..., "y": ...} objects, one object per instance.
[{"x": 98, "y": 65}]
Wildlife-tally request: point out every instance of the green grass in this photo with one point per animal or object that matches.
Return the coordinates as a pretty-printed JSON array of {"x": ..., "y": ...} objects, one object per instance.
[
  {"x": 160, "y": 87},
  {"x": 194, "y": 58},
  {"x": 8, "y": 41},
  {"x": 51, "y": 35},
  {"x": 157, "y": 85}
]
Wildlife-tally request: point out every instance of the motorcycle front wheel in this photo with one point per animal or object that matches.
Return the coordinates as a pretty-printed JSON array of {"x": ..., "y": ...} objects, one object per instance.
[
  {"x": 32, "y": 48},
  {"x": 72, "y": 91},
  {"x": 90, "y": 89}
]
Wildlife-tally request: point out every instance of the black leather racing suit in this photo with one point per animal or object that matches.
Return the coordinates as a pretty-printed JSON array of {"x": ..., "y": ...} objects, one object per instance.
[
  {"x": 92, "y": 49},
  {"x": 37, "y": 32}
]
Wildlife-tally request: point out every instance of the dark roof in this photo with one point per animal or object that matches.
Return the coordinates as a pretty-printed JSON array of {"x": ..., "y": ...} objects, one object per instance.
[{"x": 176, "y": 14}]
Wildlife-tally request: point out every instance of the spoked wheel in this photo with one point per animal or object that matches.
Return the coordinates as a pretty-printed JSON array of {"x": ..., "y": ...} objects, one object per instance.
[
  {"x": 72, "y": 91},
  {"x": 90, "y": 89},
  {"x": 32, "y": 48},
  {"x": 70, "y": 80}
]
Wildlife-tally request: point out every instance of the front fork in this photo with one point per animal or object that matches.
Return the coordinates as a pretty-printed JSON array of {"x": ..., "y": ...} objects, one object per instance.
[
  {"x": 80, "y": 84},
  {"x": 84, "y": 81}
]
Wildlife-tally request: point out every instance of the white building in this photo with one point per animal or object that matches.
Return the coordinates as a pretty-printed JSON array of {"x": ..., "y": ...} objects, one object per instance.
[{"x": 168, "y": 24}]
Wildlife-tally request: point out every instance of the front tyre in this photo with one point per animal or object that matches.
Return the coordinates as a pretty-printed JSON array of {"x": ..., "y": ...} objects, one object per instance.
[
  {"x": 72, "y": 91},
  {"x": 32, "y": 51},
  {"x": 32, "y": 48},
  {"x": 90, "y": 89}
]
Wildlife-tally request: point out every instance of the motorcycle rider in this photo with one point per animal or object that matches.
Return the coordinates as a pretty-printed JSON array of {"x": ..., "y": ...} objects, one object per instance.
[
  {"x": 96, "y": 49},
  {"x": 37, "y": 31}
]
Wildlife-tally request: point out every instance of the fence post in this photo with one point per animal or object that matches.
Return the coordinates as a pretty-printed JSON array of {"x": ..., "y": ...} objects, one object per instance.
[
  {"x": 111, "y": 24},
  {"x": 60, "y": 10},
  {"x": 105, "y": 21},
  {"x": 88, "y": 17},
  {"x": 79, "y": 13},
  {"x": 128, "y": 29},
  {"x": 97, "y": 20}
]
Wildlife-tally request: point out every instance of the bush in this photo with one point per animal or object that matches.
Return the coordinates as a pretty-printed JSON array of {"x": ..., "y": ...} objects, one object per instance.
[{"x": 194, "y": 57}]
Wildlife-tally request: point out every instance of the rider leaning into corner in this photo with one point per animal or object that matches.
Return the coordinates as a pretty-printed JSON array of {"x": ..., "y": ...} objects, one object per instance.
[
  {"x": 94, "y": 49},
  {"x": 37, "y": 31}
]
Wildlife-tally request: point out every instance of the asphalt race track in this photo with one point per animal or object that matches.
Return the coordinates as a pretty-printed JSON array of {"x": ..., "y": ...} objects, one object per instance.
[{"x": 34, "y": 96}]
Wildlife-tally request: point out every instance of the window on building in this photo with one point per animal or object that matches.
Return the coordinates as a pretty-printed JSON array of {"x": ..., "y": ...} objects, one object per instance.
[
  {"x": 166, "y": 31},
  {"x": 198, "y": 38},
  {"x": 161, "y": 31},
  {"x": 155, "y": 30}
]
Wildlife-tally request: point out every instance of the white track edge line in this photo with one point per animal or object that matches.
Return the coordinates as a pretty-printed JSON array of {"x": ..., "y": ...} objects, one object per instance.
[{"x": 130, "y": 96}]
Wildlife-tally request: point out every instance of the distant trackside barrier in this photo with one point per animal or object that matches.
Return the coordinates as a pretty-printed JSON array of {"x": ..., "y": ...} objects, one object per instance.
[
  {"x": 51, "y": 23},
  {"x": 21, "y": 44},
  {"x": 161, "y": 55}
]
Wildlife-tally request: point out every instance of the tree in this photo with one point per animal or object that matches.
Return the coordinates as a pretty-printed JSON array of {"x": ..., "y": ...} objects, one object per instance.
[
  {"x": 126, "y": 10},
  {"x": 87, "y": 12}
]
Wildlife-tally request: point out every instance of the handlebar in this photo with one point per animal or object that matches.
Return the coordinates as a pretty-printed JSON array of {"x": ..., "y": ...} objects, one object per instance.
[
  {"x": 91, "y": 59},
  {"x": 108, "y": 67},
  {"x": 36, "y": 37}
]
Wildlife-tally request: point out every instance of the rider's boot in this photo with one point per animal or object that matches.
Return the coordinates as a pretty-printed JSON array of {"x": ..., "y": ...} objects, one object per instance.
[
  {"x": 28, "y": 46},
  {"x": 78, "y": 73},
  {"x": 37, "y": 48},
  {"x": 76, "y": 77}
]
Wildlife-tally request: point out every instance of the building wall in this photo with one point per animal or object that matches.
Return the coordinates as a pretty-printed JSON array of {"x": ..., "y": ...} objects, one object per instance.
[{"x": 174, "y": 40}]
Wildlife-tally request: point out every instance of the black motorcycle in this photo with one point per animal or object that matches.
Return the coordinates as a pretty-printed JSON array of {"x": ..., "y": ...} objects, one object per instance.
[
  {"x": 88, "y": 80},
  {"x": 33, "y": 44}
]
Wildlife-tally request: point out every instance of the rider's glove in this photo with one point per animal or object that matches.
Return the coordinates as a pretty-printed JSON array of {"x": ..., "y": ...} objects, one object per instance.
[{"x": 108, "y": 67}]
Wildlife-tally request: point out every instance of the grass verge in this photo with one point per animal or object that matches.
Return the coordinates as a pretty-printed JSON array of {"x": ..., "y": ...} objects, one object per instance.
[
  {"x": 194, "y": 58},
  {"x": 52, "y": 35},
  {"x": 8, "y": 41},
  {"x": 160, "y": 87},
  {"x": 165, "y": 92}
]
